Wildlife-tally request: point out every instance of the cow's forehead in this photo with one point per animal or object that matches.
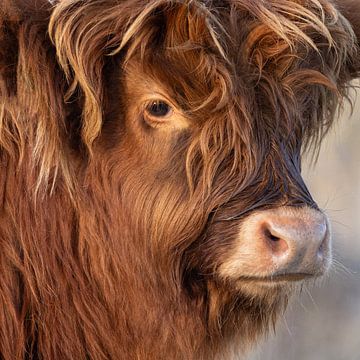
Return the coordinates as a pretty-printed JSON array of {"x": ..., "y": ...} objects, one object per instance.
[{"x": 198, "y": 37}]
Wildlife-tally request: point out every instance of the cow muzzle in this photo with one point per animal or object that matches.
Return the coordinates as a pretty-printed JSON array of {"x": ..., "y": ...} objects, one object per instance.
[{"x": 279, "y": 245}]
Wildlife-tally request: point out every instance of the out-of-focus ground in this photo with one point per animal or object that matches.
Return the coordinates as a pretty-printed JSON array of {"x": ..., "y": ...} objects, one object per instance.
[{"x": 324, "y": 322}]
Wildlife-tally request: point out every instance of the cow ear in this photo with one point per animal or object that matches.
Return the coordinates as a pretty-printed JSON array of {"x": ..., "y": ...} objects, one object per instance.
[
  {"x": 15, "y": 15},
  {"x": 32, "y": 83},
  {"x": 350, "y": 9},
  {"x": 8, "y": 59},
  {"x": 9, "y": 20}
]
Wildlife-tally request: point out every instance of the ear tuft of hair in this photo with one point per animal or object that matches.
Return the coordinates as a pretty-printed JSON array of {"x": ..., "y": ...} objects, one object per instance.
[
  {"x": 9, "y": 20},
  {"x": 32, "y": 107}
]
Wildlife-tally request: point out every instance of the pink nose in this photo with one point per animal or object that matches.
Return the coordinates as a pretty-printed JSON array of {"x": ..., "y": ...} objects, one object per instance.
[
  {"x": 296, "y": 240},
  {"x": 285, "y": 243}
]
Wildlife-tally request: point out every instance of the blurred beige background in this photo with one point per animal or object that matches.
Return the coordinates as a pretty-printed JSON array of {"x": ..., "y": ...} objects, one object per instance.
[{"x": 324, "y": 322}]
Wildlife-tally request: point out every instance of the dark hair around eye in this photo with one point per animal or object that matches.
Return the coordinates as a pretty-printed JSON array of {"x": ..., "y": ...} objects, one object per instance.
[{"x": 159, "y": 109}]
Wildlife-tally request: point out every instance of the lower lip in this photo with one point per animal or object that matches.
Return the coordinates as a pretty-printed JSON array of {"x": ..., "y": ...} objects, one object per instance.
[{"x": 278, "y": 279}]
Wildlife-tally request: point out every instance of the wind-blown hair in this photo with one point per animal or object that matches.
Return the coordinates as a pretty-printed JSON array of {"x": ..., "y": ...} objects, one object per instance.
[
  {"x": 88, "y": 227},
  {"x": 306, "y": 54}
]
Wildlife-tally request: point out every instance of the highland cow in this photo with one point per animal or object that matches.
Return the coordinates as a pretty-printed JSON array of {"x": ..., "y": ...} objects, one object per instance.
[{"x": 151, "y": 198}]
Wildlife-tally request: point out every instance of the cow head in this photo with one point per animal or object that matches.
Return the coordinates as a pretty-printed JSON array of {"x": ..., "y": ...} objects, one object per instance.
[
  {"x": 207, "y": 109},
  {"x": 186, "y": 122},
  {"x": 202, "y": 113}
]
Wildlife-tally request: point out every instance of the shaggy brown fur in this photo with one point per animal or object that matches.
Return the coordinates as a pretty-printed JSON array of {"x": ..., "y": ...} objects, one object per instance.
[{"x": 111, "y": 229}]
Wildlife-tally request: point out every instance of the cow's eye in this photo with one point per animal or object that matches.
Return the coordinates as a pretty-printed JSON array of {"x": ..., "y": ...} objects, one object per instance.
[{"x": 158, "y": 109}]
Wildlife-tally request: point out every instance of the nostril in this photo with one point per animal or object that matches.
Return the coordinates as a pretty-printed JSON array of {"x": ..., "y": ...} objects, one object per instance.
[
  {"x": 278, "y": 245},
  {"x": 284, "y": 241},
  {"x": 270, "y": 236}
]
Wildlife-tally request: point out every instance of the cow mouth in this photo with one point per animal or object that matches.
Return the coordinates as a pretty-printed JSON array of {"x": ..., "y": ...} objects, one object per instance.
[{"x": 279, "y": 278}]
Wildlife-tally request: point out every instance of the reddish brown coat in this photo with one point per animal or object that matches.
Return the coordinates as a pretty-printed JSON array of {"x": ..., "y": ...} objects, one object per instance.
[{"x": 112, "y": 228}]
